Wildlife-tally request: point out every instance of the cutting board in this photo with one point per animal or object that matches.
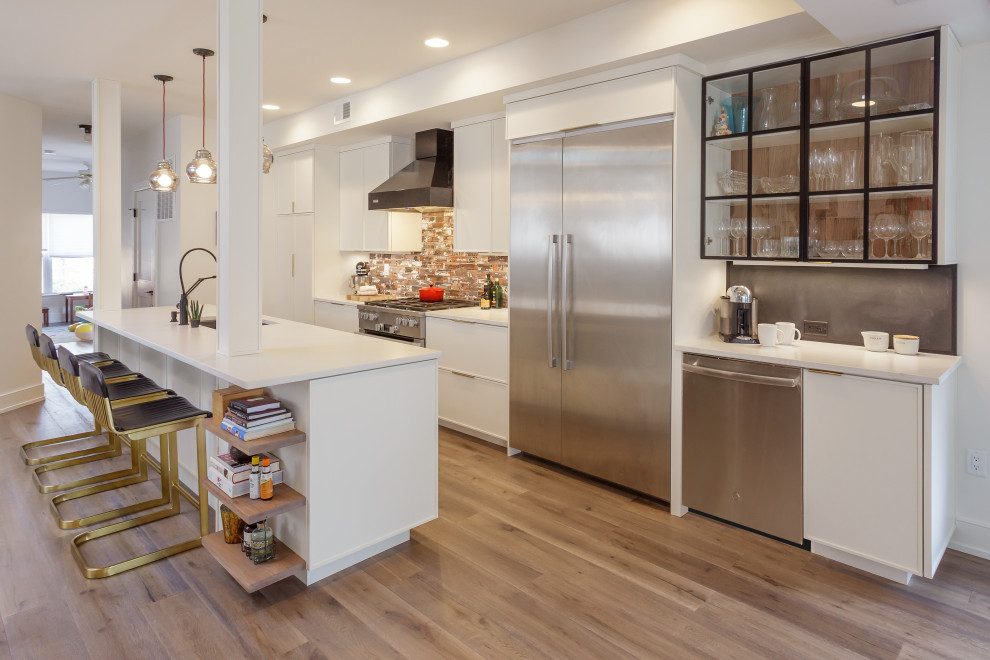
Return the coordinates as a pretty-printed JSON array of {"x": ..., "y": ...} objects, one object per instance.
[{"x": 377, "y": 296}]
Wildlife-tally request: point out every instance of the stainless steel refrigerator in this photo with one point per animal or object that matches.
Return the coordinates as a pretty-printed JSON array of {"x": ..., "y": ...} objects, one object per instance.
[{"x": 589, "y": 319}]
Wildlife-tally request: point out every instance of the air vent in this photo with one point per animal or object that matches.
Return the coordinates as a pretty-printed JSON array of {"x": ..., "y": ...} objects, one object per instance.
[{"x": 343, "y": 113}]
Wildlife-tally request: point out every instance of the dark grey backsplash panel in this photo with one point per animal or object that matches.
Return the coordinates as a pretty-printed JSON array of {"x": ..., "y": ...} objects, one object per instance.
[{"x": 908, "y": 302}]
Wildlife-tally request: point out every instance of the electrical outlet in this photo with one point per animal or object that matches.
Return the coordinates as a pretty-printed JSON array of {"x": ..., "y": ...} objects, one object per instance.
[
  {"x": 976, "y": 463},
  {"x": 816, "y": 328}
]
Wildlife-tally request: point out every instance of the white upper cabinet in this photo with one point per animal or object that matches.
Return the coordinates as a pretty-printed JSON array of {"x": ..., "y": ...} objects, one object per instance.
[
  {"x": 364, "y": 167},
  {"x": 481, "y": 185},
  {"x": 295, "y": 183}
]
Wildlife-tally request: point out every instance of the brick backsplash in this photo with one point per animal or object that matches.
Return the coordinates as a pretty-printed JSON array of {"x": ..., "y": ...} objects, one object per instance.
[{"x": 462, "y": 274}]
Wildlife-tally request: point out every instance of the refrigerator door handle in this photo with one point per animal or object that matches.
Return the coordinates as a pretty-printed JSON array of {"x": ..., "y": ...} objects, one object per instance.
[
  {"x": 551, "y": 257},
  {"x": 565, "y": 285}
]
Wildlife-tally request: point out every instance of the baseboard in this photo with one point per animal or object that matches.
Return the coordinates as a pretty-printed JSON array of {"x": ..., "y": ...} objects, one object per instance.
[
  {"x": 22, "y": 397},
  {"x": 971, "y": 537},
  {"x": 477, "y": 433},
  {"x": 870, "y": 566},
  {"x": 328, "y": 568}
]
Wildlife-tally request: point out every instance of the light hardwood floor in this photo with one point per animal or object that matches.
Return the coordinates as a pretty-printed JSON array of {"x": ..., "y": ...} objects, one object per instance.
[{"x": 526, "y": 560}]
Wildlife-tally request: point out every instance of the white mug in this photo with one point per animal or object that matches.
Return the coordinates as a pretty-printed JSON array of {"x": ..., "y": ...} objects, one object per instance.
[
  {"x": 788, "y": 329},
  {"x": 769, "y": 334}
]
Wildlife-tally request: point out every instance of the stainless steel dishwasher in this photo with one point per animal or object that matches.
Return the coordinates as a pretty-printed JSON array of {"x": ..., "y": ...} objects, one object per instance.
[{"x": 742, "y": 444}]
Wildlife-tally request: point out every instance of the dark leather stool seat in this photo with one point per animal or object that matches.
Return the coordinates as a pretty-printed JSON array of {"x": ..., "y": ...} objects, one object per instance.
[
  {"x": 93, "y": 357},
  {"x": 153, "y": 413},
  {"x": 115, "y": 370},
  {"x": 140, "y": 386}
]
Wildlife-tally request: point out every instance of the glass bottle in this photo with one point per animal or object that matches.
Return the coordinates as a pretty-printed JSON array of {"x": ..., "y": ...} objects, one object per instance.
[
  {"x": 254, "y": 484},
  {"x": 248, "y": 531},
  {"x": 262, "y": 543},
  {"x": 499, "y": 296},
  {"x": 267, "y": 487}
]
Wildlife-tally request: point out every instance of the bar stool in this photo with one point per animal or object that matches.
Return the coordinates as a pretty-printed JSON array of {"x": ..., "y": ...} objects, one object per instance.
[
  {"x": 45, "y": 356},
  {"x": 122, "y": 393},
  {"x": 163, "y": 418}
]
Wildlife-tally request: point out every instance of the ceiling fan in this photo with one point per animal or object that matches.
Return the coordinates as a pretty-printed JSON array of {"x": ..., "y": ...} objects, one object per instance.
[{"x": 85, "y": 177}]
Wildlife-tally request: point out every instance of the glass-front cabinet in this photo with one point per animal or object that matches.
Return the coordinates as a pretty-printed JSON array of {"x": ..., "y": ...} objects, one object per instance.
[{"x": 831, "y": 158}]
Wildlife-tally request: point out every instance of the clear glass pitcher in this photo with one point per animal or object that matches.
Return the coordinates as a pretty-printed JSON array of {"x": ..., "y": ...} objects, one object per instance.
[{"x": 914, "y": 158}]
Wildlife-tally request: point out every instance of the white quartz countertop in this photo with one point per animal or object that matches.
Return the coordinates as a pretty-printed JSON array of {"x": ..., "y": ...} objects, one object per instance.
[
  {"x": 291, "y": 351},
  {"x": 339, "y": 301},
  {"x": 475, "y": 315},
  {"x": 924, "y": 368}
]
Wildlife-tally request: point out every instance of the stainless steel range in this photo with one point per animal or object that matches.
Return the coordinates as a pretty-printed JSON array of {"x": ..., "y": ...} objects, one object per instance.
[{"x": 403, "y": 319}]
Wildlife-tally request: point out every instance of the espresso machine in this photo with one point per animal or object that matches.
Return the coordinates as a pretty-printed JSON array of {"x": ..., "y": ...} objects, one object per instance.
[{"x": 737, "y": 322}]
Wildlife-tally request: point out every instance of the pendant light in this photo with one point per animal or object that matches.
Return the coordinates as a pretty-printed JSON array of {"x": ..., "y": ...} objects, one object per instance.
[
  {"x": 163, "y": 179},
  {"x": 202, "y": 168},
  {"x": 267, "y": 158}
]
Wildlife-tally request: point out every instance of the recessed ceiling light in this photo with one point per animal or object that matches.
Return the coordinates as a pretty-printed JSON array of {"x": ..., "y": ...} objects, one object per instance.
[
  {"x": 47, "y": 152},
  {"x": 437, "y": 42},
  {"x": 340, "y": 81},
  {"x": 269, "y": 106}
]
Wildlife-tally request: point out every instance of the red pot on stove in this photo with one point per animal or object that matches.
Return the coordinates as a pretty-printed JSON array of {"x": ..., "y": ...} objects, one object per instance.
[{"x": 431, "y": 294}]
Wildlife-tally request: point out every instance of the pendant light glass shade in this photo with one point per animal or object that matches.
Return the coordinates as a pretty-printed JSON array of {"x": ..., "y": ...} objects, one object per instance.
[
  {"x": 163, "y": 179},
  {"x": 202, "y": 168},
  {"x": 267, "y": 158}
]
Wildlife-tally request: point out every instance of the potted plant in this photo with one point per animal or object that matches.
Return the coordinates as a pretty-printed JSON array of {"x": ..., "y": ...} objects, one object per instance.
[{"x": 195, "y": 309}]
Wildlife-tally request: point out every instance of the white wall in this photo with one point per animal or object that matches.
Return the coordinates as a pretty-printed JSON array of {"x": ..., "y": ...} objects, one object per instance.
[
  {"x": 973, "y": 226},
  {"x": 20, "y": 249},
  {"x": 194, "y": 223}
]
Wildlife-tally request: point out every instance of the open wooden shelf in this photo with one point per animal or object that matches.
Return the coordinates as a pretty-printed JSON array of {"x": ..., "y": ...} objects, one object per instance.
[
  {"x": 252, "y": 447},
  {"x": 249, "y": 575},
  {"x": 252, "y": 511}
]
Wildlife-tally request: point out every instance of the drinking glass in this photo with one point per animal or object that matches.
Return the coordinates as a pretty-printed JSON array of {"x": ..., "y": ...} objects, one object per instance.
[
  {"x": 852, "y": 249},
  {"x": 721, "y": 231},
  {"x": 769, "y": 247},
  {"x": 829, "y": 248},
  {"x": 817, "y": 168},
  {"x": 851, "y": 162},
  {"x": 831, "y": 168},
  {"x": 885, "y": 228},
  {"x": 737, "y": 229},
  {"x": 900, "y": 233},
  {"x": 915, "y": 158},
  {"x": 920, "y": 226},
  {"x": 817, "y": 109}
]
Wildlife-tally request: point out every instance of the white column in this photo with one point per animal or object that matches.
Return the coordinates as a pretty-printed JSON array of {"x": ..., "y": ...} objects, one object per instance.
[
  {"x": 239, "y": 59},
  {"x": 106, "y": 193}
]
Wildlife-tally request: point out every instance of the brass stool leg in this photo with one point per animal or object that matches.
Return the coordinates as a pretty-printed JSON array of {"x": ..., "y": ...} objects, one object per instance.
[
  {"x": 113, "y": 451},
  {"x": 138, "y": 460},
  {"x": 97, "y": 431},
  {"x": 170, "y": 476}
]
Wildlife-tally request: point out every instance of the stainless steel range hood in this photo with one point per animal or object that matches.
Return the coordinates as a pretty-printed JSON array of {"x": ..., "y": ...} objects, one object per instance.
[{"x": 427, "y": 183}]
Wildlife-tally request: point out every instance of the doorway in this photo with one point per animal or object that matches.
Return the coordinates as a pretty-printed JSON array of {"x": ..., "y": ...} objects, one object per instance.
[{"x": 145, "y": 247}]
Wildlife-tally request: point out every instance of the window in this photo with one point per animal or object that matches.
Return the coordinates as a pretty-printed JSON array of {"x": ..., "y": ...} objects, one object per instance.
[{"x": 66, "y": 252}]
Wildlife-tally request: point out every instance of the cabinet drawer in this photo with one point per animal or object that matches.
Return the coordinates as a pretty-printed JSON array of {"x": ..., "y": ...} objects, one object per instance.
[
  {"x": 475, "y": 403},
  {"x": 474, "y": 348}
]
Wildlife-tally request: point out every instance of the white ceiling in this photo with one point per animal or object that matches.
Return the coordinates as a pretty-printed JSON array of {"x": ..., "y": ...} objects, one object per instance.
[{"x": 51, "y": 50}]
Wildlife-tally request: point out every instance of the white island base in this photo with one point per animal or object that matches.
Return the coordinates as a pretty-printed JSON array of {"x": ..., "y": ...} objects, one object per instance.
[{"x": 368, "y": 466}]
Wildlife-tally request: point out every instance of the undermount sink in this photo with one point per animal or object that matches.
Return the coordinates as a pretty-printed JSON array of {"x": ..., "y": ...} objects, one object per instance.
[{"x": 212, "y": 323}]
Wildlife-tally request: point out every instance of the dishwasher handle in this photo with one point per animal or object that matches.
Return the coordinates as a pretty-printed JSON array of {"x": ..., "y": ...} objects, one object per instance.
[{"x": 741, "y": 377}]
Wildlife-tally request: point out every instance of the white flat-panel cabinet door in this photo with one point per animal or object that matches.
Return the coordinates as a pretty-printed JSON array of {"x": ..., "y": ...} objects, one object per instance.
[
  {"x": 351, "y": 210},
  {"x": 284, "y": 183},
  {"x": 304, "y": 184},
  {"x": 302, "y": 287},
  {"x": 337, "y": 316},
  {"x": 473, "y": 189},
  {"x": 285, "y": 241},
  {"x": 863, "y": 467},
  {"x": 377, "y": 169},
  {"x": 500, "y": 188}
]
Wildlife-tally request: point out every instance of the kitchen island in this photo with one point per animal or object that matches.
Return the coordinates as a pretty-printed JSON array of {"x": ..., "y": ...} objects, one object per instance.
[{"x": 368, "y": 466}]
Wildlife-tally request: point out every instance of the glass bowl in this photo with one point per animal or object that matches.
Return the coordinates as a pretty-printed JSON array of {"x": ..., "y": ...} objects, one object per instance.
[
  {"x": 885, "y": 96},
  {"x": 780, "y": 184},
  {"x": 733, "y": 182}
]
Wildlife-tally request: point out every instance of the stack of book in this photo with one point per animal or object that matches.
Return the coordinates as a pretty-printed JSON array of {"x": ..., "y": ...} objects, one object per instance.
[
  {"x": 231, "y": 473},
  {"x": 256, "y": 417}
]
